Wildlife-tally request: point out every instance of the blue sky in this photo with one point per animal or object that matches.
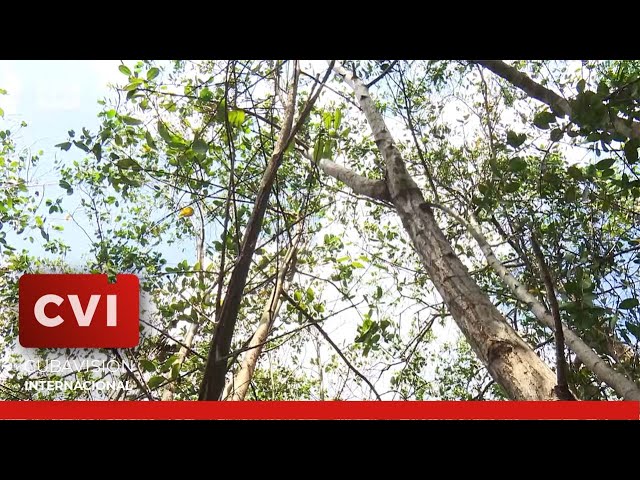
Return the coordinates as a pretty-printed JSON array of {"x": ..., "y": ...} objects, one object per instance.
[{"x": 53, "y": 97}]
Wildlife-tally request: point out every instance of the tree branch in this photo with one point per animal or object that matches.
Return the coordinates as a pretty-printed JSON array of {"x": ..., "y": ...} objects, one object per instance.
[
  {"x": 376, "y": 189},
  {"x": 331, "y": 342},
  {"x": 558, "y": 104},
  {"x": 621, "y": 384},
  {"x": 562, "y": 388}
]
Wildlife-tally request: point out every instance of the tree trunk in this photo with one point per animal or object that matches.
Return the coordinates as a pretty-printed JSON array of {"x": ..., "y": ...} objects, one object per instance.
[
  {"x": 558, "y": 104},
  {"x": 510, "y": 361},
  {"x": 240, "y": 382},
  {"x": 213, "y": 381},
  {"x": 621, "y": 384}
]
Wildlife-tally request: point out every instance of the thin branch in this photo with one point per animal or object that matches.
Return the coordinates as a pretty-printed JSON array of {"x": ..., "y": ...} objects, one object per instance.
[
  {"x": 382, "y": 75},
  {"x": 331, "y": 342},
  {"x": 562, "y": 389}
]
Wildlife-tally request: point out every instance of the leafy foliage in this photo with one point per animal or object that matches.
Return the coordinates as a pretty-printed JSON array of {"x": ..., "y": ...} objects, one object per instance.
[{"x": 195, "y": 137}]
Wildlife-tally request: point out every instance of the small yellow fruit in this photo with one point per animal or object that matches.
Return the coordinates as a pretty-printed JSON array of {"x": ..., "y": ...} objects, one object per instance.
[{"x": 186, "y": 212}]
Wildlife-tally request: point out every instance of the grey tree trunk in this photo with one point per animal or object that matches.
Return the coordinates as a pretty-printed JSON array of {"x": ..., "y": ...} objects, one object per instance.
[
  {"x": 511, "y": 362},
  {"x": 621, "y": 384},
  {"x": 558, "y": 104}
]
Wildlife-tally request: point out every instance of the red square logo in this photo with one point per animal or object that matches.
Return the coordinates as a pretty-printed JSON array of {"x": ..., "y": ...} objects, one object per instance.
[{"x": 79, "y": 311}]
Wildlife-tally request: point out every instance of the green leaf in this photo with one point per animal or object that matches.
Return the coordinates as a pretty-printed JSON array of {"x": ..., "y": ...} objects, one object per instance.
[
  {"x": 605, "y": 163},
  {"x": 168, "y": 362},
  {"x": 317, "y": 149},
  {"x": 111, "y": 113},
  {"x": 483, "y": 188},
  {"x": 135, "y": 83},
  {"x": 575, "y": 172},
  {"x": 236, "y": 117},
  {"x": 150, "y": 141},
  {"x": 310, "y": 295},
  {"x": 327, "y": 151},
  {"x": 556, "y": 135},
  {"x": 200, "y": 146},
  {"x": 571, "y": 194},
  {"x": 1, "y": 113},
  {"x": 633, "y": 329},
  {"x": 603, "y": 89},
  {"x": 514, "y": 139},
  {"x": 628, "y": 304},
  {"x": 327, "y": 120},
  {"x": 164, "y": 132},
  {"x": 155, "y": 381},
  {"x": 64, "y": 146},
  {"x": 206, "y": 95},
  {"x": 130, "y": 181},
  {"x": 124, "y": 70},
  {"x": 543, "y": 119},
  {"x": 64, "y": 184},
  {"x": 581, "y": 86},
  {"x": 297, "y": 296},
  {"x": 153, "y": 73},
  {"x": 175, "y": 371},
  {"x": 148, "y": 365},
  {"x": 357, "y": 264},
  {"x": 631, "y": 151},
  {"x": 81, "y": 146},
  {"x": 337, "y": 118},
  {"x": 517, "y": 164},
  {"x": 128, "y": 163},
  {"x": 97, "y": 151},
  {"x": 130, "y": 120},
  {"x": 512, "y": 187}
]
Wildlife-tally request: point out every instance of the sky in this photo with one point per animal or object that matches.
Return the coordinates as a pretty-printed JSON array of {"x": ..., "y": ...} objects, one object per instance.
[{"x": 53, "y": 97}]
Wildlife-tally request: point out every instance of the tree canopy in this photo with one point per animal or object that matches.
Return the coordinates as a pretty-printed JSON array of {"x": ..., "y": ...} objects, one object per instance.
[{"x": 344, "y": 230}]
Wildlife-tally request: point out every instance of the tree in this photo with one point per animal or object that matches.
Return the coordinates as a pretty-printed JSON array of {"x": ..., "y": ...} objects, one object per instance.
[{"x": 262, "y": 151}]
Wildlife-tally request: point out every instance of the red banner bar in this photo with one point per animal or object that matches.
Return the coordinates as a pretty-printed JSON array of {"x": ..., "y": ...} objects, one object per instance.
[{"x": 369, "y": 410}]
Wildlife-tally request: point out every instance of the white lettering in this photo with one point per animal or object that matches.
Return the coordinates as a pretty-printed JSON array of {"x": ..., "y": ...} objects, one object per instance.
[
  {"x": 84, "y": 318},
  {"x": 41, "y": 317},
  {"x": 112, "y": 318}
]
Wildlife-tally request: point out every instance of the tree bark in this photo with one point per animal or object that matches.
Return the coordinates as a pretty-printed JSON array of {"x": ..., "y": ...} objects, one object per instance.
[
  {"x": 376, "y": 189},
  {"x": 510, "y": 361}
]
